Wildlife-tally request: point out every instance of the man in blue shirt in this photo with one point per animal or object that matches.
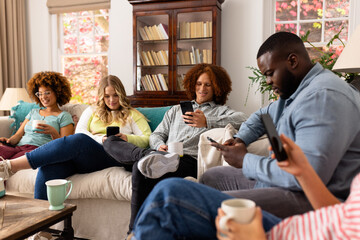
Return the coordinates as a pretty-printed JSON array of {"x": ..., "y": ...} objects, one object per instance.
[{"x": 316, "y": 109}]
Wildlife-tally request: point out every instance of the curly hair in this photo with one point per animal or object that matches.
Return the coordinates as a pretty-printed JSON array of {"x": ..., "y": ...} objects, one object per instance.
[
  {"x": 220, "y": 81},
  {"x": 102, "y": 111},
  {"x": 58, "y": 83}
]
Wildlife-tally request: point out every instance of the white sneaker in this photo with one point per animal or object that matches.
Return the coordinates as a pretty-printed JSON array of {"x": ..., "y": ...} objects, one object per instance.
[
  {"x": 5, "y": 169},
  {"x": 155, "y": 165}
]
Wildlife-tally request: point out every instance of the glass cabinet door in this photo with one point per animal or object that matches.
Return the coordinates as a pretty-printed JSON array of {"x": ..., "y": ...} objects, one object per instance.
[
  {"x": 193, "y": 43},
  {"x": 152, "y": 56}
]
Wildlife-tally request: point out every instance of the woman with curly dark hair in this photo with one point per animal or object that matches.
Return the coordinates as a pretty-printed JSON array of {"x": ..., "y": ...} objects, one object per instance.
[
  {"x": 49, "y": 90},
  {"x": 83, "y": 152}
]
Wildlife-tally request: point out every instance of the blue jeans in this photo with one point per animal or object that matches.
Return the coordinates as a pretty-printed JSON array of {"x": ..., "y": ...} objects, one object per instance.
[
  {"x": 181, "y": 209},
  {"x": 67, "y": 156}
]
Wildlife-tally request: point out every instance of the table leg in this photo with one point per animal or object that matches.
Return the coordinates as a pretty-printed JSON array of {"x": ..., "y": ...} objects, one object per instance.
[{"x": 68, "y": 232}]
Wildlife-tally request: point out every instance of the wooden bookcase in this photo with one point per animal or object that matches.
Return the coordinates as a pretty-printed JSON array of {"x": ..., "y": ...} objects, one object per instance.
[{"x": 170, "y": 37}]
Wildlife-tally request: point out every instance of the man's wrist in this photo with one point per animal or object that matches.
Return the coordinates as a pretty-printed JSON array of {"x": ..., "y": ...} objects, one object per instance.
[{"x": 238, "y": 140}]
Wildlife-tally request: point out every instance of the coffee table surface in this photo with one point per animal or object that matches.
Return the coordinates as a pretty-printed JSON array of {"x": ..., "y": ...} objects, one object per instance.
[{"x": 21, "y": 216}]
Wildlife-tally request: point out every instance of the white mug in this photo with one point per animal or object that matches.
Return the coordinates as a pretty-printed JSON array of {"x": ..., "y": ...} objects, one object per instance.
[
  {"x": 176, "y": 147},
  {"x": 239, "y": 209},
  {"x": 35, "y": 123}
]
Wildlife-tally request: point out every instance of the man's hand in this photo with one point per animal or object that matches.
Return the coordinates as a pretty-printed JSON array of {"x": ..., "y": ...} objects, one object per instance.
[
  {"x": 233, "y": 151},
  {"x": 163, "y": 148},
  {"x": 195, "y": 119}
]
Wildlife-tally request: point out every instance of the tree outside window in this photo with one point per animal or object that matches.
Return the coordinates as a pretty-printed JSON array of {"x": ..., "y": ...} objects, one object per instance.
[
  {"x": 84, "y": 52},
  {"x": 323, "y": 18}
]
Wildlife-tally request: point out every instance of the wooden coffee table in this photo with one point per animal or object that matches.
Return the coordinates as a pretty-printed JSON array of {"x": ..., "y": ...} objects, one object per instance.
[{"x": 22, "y": 217}]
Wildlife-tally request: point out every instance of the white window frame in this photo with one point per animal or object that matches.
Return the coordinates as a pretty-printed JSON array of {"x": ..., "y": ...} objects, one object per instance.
[
  {"x": 269, "y": 18},
  {"x": 57, "y": 44}
]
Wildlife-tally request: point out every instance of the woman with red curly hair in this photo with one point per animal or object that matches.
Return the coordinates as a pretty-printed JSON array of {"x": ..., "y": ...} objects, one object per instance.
[{"x": 49, "y": 90}]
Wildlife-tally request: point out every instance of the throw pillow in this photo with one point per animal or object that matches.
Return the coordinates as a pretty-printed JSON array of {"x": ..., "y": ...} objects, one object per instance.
[
  {"x": 19, "y": 113},
  {"x": 154, "y": 114}
]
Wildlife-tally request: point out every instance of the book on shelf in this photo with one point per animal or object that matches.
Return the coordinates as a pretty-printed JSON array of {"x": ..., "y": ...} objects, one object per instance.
[
  {"x": 195, "y": 29},
  {"x": 143, "y": 34},
  {"x": 164, "y": 30},
  {"x": 163, "y": 81}
]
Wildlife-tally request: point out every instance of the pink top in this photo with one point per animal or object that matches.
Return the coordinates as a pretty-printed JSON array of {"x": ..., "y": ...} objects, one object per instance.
[{"x": 341, "y": 221}]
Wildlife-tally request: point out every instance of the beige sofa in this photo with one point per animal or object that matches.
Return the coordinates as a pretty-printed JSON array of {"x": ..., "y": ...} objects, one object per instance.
[{"x": 103, "y": 197}]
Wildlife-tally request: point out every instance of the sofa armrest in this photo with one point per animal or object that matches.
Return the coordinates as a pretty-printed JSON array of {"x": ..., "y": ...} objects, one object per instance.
[{"x": 5, "y": 123}]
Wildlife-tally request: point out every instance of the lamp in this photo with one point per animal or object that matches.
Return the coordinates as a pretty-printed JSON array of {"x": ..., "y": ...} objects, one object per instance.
[
  {"x": 12, "y": 96},
  {"x": 349, "y": 59}
]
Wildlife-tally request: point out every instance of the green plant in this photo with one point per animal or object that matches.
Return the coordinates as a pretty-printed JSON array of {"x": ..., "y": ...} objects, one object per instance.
[{"x": 327, "y": 59}]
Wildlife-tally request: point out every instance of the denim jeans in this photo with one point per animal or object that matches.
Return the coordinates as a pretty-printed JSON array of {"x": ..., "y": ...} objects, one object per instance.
[
  {"x": 181, "y": 209},
  {"x": 67, "y": 156}
]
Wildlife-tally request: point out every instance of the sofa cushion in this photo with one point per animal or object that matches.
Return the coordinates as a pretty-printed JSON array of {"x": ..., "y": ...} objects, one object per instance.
[
  {"x": 154, "y": 114},
  {"x": 19, "y": 113}
]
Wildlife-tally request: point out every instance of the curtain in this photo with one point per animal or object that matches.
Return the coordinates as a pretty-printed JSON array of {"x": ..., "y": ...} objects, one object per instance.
[
  {"x": 63, "y": 6},
  {"x": 13, "y": 57}
]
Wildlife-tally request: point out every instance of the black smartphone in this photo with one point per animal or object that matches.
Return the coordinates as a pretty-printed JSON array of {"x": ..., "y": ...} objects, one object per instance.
[
  {"x": 211, "y": 140},
  {"x": 7, "y": 144},
  {"x": 112, "y": 130},
  {"x": 274, "y": 138},
  {"x": 186, "y": 106}
]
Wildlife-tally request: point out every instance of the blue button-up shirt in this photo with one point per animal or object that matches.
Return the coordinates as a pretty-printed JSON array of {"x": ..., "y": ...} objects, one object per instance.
[{"x": 322, "y": 116}]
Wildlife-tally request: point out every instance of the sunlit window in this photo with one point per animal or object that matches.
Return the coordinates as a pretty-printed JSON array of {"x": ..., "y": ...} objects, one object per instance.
[
  {"x": 84, "y": 51},
  {"x": 323, "y": 18}
]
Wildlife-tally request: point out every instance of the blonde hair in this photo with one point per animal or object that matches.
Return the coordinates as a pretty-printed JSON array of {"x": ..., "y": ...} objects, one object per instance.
[{"x": 102, "y": 111}]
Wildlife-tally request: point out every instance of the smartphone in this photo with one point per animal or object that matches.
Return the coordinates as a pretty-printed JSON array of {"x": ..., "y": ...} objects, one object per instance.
[
  {"x": 274, "y": 138},
  {"x": 112, "y": 130},
  {"x": 186, "y": 106},
  {"x": 7, "y": 144},
  {"x": 211, "y": 140}
]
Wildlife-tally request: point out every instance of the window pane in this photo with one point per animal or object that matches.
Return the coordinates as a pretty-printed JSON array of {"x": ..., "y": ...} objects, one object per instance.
[
  {"x": 70, "y": 26},
  {"x": 86, "y": 44},
  {"x": 311, "y": 9},
  {"x": 286, "y": 10},
  {"x": 101, "y": 43},
  {"x": 337, "y": 8},
  {"x": 333, "y": 27},
  {"x": 315, "y": 31},
  {"x": 85, "y": 25},
  {"x": 102, "y": 25},
  {"x": 286, "y": 27},
  {"x": 84, "y": 73},
  {"x": 70, "y": 45}
]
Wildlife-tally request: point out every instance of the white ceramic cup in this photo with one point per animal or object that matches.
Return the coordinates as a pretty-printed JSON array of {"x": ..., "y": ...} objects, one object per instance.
[
  {"x": 176, "y": 147},
  {"x": 239, "y": 209},
  {"x": 57, "y": 192},
  {"x": 36, "y": 122},
  {"x": 2, "y": 187}
]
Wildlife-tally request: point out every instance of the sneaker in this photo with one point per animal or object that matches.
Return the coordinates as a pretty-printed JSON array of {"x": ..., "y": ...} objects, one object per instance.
[
  {"x": 5, "y": 169},
  {"x": 156, "y": 164}
]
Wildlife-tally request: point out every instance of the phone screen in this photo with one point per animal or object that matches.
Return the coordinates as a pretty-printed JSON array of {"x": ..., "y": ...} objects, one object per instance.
[
  {"x": 186, "y": 106},
  {"x": 112, "y": 130},
  {"x": 273, "y": 137}
]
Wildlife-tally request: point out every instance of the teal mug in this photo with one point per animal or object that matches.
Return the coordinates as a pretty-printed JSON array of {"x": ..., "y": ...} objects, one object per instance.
[{"x": 57, "y": 192}]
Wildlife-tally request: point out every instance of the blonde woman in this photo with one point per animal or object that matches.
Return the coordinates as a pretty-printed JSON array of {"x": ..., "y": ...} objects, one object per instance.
[{"x": 83, "y": 152}]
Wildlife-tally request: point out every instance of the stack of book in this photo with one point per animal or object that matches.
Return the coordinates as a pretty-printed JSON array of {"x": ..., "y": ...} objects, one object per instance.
[
  {"x": 154, "y": 82},
  {"x": 195, "y": 29},
  {"x": 155, "y": 32},
  {"x": 152, "y": 58},
  {"x": 194, "y": 56}
]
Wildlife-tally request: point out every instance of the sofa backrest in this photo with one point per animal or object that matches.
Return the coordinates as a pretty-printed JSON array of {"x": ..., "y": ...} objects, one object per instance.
[{"x": 19, "y": 112}]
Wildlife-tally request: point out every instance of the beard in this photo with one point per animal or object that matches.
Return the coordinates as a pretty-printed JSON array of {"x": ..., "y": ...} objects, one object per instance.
[{"x": 289, "y": 85}]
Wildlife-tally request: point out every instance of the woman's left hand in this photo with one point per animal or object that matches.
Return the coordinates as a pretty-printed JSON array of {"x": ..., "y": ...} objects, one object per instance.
[
  {"x": 197, "y": 119},
  {"x": 237, "y": 231},
  {"x": 47, "y": 129}
]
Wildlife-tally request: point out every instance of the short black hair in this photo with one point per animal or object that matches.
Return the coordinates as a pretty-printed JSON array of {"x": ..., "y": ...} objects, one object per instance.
[{"x": 281, "y": 41}]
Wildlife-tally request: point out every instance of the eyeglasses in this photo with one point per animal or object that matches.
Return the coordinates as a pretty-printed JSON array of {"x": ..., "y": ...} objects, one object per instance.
[{"x": 46, "y": 93}]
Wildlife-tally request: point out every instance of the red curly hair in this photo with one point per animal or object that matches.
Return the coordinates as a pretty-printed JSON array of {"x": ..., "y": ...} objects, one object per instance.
[
  {"x": 54, "y": 80},
  {"x": 220, "y": 81}
]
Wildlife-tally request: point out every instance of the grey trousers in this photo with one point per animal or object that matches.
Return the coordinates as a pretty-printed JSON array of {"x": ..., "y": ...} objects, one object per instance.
[{"x": 278, "y": 201}]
